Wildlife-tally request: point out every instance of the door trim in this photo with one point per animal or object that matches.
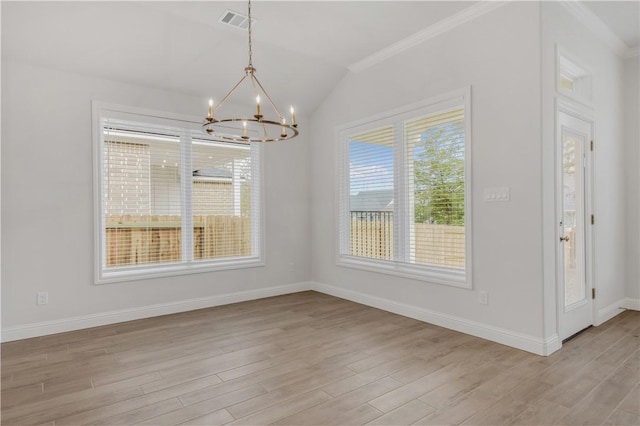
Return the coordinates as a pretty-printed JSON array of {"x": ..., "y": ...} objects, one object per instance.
[{"x": 572, "y": 108}]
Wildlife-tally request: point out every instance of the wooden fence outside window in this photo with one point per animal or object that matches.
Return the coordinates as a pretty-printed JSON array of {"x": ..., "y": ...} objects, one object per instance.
[
  {"x": 143, "y": 239},
  {"x": 436, "y": 245}
]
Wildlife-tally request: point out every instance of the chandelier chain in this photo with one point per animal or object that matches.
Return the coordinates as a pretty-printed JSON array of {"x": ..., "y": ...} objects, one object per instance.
[{"x": 250, "y": 45}]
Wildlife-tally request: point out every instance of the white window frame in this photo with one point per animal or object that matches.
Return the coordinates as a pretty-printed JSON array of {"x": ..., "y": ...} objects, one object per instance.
[
  {"x": 187, "y": 265},
  {"x": 567, "y": 65},
  {"x": 396, "y": 117}
]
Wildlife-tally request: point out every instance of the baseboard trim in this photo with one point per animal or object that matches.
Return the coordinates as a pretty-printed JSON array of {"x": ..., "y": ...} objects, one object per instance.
[
  {"x": 551, "y": 344},
  {"x": 610, "y": 311},
  {"x": 104, "y": 318},
  {"x": 506, "y": 337},
  {"x": 632, "y": 304},
  {"x": 517, "y": 340}
]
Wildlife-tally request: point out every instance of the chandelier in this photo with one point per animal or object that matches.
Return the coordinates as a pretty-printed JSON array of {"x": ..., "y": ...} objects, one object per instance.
[{"x": 256, "y": 127}]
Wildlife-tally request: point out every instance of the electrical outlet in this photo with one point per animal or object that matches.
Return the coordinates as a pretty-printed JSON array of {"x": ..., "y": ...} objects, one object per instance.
[
  {"x": 43, "y": 298},
  {"x": 483, "y": 297}
]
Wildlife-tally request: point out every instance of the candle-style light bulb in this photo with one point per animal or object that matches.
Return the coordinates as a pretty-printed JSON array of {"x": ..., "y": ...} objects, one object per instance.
[
  {"x": 283, "y": 133},
  {"x": 210, "y": 115},
  {"x": 258, "y": 113},
  {"x": 244, "y": 130},
  {"x": 293, "y": 116}
]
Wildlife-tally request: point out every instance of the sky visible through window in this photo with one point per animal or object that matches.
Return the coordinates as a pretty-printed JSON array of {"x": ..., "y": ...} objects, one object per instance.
[
  {"x": 371, "y": 164},
  {"x": 370, "y": 167}
]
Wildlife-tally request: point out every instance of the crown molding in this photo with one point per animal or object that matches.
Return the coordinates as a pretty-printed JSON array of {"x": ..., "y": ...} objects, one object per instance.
[
  {"x": 590, "y": 20},
  {"x": 440, "y": 27}
]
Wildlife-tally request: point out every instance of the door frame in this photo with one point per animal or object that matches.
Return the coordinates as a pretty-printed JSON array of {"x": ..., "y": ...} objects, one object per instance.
[{"x": 584, "y": 113}]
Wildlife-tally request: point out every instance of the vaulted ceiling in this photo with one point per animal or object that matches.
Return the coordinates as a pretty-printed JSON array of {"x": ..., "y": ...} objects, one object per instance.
[{"x": 301, "y": 49}]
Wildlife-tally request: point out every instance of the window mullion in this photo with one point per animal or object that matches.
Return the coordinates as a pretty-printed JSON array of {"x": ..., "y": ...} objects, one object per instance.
[
  {"x": 344, "y": 179},
  {"x": 399, "y": 206},
  {"x": 409, "y": 202},
  {"x": 257, "y": 185},
  {"x": 186, "y": 209},
  {"x": 102, "y": 187}
]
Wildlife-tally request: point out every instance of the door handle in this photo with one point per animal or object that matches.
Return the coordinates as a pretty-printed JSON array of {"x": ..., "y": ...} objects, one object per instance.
[{"x": 564, "y": 238}]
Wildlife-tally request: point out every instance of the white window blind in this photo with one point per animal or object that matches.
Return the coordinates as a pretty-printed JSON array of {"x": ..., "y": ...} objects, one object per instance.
[
  {"x": 403, "y": 184},
  {"x": 222, "y": 200},
  {"x": 171, "y": 199},
  {"x": 435, "y": 163},
  {"x": 142, "y": 200},
  {"x": 371, "y": 187}
]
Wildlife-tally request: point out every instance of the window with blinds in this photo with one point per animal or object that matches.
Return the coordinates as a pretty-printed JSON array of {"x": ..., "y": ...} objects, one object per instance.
[
  {"x": 171, "y": 199},
  {"x": 403, "y": 192},
  {"x": 371, "y": 184}
]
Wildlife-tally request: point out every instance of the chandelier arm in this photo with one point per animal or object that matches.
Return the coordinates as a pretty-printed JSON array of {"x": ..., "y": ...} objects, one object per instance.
[
  {"x": 268, "y": 97},
  {"x": 231, "y": 92},
  {"x": 253, "y": 83},
  {"x": 264, "y": 130}
]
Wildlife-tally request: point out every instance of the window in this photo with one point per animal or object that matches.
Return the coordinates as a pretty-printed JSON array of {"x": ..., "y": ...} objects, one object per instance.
[
  {"x": 573, "y": 79},
  {"x": 170, "y": 199},
  {"x": 404, "y": 182}
]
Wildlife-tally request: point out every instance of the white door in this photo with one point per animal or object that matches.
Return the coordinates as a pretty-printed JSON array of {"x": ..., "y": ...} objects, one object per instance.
[{"x": 574, "y": 140}]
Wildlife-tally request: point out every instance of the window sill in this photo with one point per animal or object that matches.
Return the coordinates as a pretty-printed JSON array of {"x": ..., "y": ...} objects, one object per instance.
[
  {"x": 416, "y": 272},
  {"x": 169, "y": 270}
]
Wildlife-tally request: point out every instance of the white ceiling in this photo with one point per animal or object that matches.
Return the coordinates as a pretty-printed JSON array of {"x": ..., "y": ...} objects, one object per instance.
[
  {"x": 301, "y": 49},
  {"x": 622, "y": 17}
]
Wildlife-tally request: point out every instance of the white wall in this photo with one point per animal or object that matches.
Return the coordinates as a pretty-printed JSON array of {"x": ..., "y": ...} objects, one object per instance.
[
  {"x": 497, "y": 54},
  {"x": 559, "y": 27},
  {"x": 631, "y": 91},
  {"x": 47, "y": 208}
]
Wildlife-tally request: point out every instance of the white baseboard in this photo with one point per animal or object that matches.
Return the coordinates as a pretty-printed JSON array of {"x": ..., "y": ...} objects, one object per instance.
[
  {"x": 496, "y": 334},
  {"x": 608, "y": 312},
  {"x": 633, "y": 304},
  {"x": 506, "y": 337},
  {"x": 104, "y": 318}
]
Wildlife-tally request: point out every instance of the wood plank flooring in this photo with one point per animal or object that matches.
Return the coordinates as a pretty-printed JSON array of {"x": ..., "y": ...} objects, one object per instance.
[{"x": 309, "y": 358}]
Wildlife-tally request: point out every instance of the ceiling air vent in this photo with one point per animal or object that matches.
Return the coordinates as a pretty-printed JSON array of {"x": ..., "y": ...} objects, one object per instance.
[{"x": 235, "y": 19}]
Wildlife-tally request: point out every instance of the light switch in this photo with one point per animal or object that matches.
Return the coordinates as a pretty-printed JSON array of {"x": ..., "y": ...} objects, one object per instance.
[{"x": 497, "y": 194}]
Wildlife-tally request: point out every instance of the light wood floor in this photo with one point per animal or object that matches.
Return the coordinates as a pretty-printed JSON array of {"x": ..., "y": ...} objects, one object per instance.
[{"x": 309, "y": 358}]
